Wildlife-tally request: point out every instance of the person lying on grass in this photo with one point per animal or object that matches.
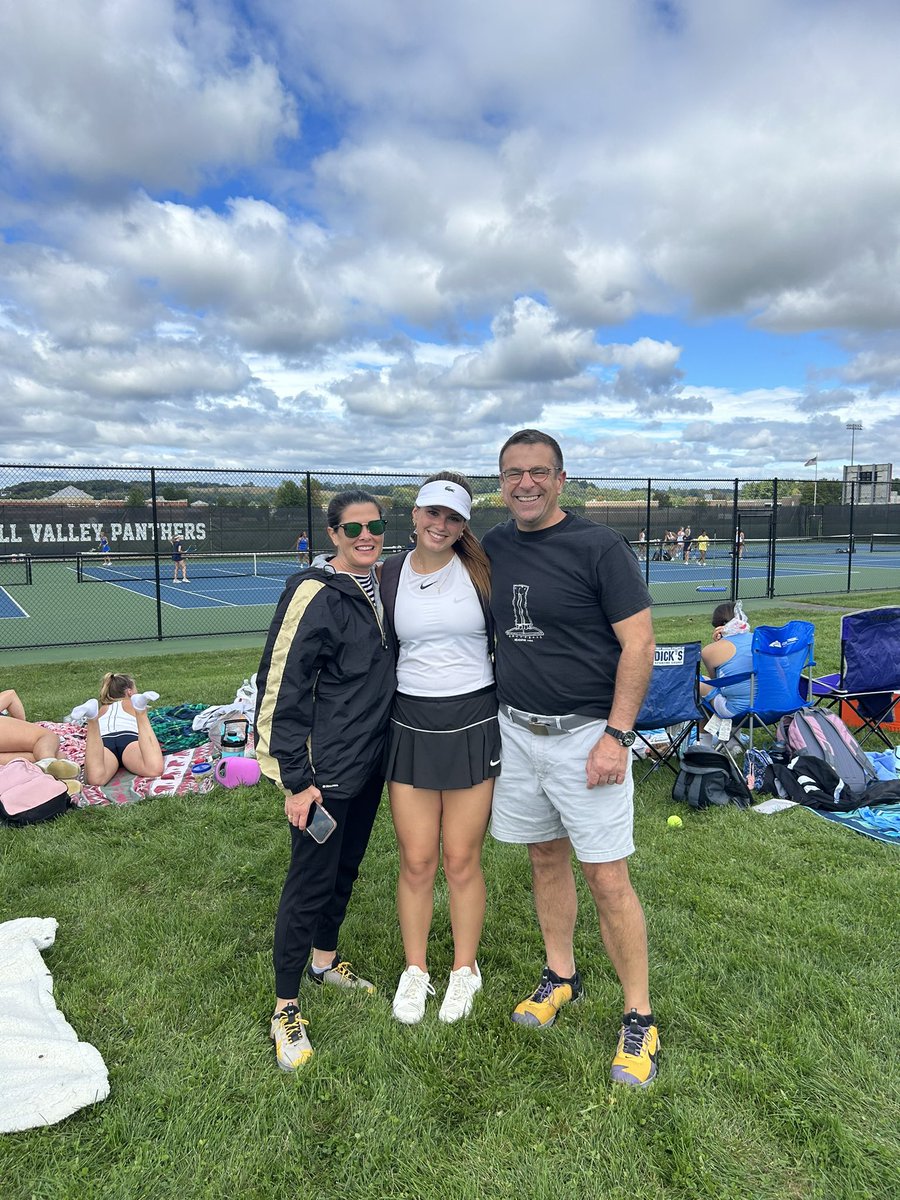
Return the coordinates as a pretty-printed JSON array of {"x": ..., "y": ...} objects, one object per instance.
[{"x": 119, "y": 733}]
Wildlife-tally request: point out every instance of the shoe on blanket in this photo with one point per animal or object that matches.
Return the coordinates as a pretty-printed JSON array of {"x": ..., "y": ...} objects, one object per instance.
[{"x": 59, "y": 768}]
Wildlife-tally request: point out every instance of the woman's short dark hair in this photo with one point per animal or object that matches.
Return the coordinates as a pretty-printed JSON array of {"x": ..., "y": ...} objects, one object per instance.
[
  {"x": 723, "y": 613},
  {"x": 534, "y": 437},
  {"x": 339, "y": 504}
]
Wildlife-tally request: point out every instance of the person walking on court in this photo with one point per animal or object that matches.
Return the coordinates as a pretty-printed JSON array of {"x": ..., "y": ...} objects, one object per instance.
[
  {"x": 574, "y": 654},
  {"x": 105, "y": 548},
  {"x": 303, "y": 549},
  {"x": 444, "y": 745},
  {"x": 179, "y": 559}
]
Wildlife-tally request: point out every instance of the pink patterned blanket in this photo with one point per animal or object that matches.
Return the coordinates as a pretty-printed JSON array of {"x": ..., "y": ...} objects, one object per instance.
[{"x": 125, "y": 788}]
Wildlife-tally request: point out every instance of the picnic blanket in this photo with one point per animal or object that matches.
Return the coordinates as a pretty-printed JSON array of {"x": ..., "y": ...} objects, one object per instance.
[
  {"x": 881, "y": 822},
  {"x": 125, "y": 788},
  {"x": 47, "y": 1072}
]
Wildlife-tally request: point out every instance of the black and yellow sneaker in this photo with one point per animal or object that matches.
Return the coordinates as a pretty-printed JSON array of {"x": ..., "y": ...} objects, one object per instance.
[
  {"x": 635, "y": 1061},
  {"x": 340, "y": 974},
  {"x": 540, "y": 1009},
  {"x": 292, "y": 1045}
]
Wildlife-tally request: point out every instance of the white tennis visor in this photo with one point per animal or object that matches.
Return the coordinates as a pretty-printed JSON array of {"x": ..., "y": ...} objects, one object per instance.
[{"x": 445, "y": 494}]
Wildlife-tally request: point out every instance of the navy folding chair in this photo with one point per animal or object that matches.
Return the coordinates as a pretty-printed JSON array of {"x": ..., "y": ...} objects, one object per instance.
[
  {"x": 672, "y": 704},
  {"x": 782, "y": 662},
  {"x": 869, "y": 677}
]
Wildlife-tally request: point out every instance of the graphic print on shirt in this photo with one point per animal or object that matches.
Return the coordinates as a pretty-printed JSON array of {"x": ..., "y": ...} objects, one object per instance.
[{"x": 524, "y": 629}]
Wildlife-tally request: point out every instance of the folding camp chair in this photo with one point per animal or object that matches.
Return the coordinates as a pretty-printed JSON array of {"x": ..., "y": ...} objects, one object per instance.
[
  {"x": 779, "y": 675},
  {"x": 869, "y": 677},
  {"x": 671, "y": 708}
]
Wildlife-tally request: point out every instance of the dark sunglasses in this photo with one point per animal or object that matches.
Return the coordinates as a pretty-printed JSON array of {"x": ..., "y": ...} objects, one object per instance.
[{"x": 354, "y": 528}]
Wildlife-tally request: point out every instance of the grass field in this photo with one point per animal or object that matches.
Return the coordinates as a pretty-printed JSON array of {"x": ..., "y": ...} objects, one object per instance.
[{"x": 773, "y": 954}]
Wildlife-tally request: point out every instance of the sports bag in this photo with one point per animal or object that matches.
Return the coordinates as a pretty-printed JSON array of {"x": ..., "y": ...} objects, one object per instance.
[
  {"x": 820, "y": 734},
  {"x": 27, "y": 795},
  {"x": 709, "y": 777}
]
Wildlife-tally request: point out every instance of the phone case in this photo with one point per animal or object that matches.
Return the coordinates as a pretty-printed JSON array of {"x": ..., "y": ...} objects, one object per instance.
[{"x": 321, "y": 825}]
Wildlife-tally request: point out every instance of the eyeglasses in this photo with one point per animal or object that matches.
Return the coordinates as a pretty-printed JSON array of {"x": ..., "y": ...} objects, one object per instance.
[
  {"x": 538, "y": 474},
  {"x": 354, "y": 528}
]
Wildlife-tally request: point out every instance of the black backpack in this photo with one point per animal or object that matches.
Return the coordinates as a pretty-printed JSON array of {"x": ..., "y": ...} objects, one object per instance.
[{"x": 709, "y": 777}]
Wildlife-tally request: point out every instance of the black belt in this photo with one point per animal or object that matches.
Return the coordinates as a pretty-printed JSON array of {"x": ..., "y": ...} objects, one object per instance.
[{"x": 546, "y": 726}]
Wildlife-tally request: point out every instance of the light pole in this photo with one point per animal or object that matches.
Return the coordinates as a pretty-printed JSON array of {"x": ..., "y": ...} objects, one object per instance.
[{"x": 854, "y": 427}]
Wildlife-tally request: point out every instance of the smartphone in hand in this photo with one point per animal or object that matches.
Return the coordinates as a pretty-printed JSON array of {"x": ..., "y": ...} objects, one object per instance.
[{"x": 320, "y": 824}]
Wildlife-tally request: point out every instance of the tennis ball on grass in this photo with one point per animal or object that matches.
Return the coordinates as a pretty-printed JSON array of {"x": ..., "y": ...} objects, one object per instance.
[{"x": 674, "y": 822}]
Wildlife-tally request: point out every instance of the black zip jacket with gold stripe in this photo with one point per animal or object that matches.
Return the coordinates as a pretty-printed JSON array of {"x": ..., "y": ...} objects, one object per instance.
[{"x": 325, "y": 685}]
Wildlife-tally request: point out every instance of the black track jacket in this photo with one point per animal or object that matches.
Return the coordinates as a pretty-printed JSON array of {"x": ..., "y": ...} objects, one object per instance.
[{"x": 325, "y": 685}]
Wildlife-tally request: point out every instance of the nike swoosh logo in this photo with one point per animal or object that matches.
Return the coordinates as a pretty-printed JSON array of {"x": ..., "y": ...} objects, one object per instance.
[
  {"x": 423, "y": 586},
  {"x": 495, "y": 764}
]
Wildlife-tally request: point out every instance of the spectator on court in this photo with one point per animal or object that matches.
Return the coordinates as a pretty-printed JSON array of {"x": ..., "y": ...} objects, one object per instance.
[
  {"x": 324, "y": 692},
  {"x": 105, "y": 548},
  {"x": 668, "y": 544},
  {"x": 739, "y": 543},
  {"x": 303, "y": 549},
  {"x": 444, "y": 742},
  {"x": 642, "y": 544},
  {"x": 703, "y": 546},
  {"x": 574, "y": 643},
  {"x": 729, "y": 653},
  {"x": 179, "y": 558},
  {"x": 679, "y": 541},
  {"x": 686, "y": 542},
  {"x": 118, "y": 731}
]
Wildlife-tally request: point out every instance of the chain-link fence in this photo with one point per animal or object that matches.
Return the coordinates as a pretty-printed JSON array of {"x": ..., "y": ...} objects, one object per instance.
[{"x": 86, "y": 552}]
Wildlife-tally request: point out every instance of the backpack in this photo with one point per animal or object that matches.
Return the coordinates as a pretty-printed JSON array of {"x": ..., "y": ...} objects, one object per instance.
[
  {"x": 709, "y": 777},
  {"x": 27, "y": 795},
  {"x": 756, "y": 762},
  {"x": 819, "y": 734}
]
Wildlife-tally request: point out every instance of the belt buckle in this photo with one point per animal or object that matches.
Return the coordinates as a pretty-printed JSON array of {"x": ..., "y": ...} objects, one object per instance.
[{"x": 538, "y": 727}]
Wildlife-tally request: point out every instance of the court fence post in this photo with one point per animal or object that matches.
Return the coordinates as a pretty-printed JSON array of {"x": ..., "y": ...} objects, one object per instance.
[
  {"x": 647, "y": 537},
  {"x": 850, "y": 537},
  {"x": 773, "y": 542},
  {"x": 159, "y": 628},
  {"x": 735, "y": 558},
  {"x": 309, "y": 521}
]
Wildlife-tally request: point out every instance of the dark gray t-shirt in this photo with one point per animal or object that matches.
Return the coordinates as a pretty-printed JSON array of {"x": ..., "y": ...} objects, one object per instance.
[{"x": 555, "y": 595}]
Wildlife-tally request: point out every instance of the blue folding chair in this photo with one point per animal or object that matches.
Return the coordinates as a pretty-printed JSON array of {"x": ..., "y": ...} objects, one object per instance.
[
  {"x": 869, "y": 677},
  {"x": 671, "y": 708},
  {"x": 780, "y": 675}
]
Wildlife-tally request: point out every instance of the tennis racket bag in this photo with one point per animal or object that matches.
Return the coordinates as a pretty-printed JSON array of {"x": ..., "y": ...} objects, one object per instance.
[
  {"x": 27, "y": 795},
  {"x": 709, "y": 777}
]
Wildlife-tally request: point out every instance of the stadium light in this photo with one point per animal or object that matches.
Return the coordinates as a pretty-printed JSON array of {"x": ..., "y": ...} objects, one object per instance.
[{"x": 854, "y": 427}]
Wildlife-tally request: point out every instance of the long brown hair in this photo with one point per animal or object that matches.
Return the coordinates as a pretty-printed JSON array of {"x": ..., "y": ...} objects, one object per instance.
[
  {"x": 115, "y": 687},
  {"x": 468, "y": 546}
]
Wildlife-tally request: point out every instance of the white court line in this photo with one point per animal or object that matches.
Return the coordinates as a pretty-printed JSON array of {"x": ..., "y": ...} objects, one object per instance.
[{"x": 13, "y": 616}]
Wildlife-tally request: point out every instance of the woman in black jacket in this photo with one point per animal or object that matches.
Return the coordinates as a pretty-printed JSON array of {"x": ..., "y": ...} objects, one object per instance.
[{"x": 325, "y": 686}]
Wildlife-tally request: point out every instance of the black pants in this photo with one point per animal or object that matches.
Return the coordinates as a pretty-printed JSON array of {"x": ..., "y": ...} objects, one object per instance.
[{"x": 319, "y": 882}]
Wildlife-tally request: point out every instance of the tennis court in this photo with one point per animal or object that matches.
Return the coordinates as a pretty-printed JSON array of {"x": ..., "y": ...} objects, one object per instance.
[{"x": 79, "y": 600}]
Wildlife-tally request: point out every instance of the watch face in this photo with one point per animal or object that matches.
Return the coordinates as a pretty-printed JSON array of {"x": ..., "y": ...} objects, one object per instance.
[
  {"x": 628, "y": 738},
  {"x": 622, "y": 737}
]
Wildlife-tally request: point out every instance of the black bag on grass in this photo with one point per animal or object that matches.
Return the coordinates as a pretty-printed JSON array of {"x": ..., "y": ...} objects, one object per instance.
[{"x": 709, "y": 777}]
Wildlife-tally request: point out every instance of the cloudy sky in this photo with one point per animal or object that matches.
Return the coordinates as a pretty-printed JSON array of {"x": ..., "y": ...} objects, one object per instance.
[{"x": 383, "y": 234}]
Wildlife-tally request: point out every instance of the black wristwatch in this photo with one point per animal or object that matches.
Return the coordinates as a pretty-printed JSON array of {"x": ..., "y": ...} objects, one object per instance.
[{"x": 623, "y": 737}]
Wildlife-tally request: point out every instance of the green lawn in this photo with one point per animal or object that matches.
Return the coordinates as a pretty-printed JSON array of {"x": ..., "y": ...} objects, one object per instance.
[{"x": 773, "y": 952}]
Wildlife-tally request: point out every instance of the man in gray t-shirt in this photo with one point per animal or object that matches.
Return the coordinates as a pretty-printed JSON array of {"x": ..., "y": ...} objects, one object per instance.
[{"x": 574, "y": 654}]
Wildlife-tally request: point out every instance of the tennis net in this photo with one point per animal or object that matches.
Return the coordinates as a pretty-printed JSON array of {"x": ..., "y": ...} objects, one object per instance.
[
  {"x": 93, "y": 568},
  {"x": 15, "y": 569},
  {"x": 884, "y": 541},
  {"x": 754, "y": 550}
]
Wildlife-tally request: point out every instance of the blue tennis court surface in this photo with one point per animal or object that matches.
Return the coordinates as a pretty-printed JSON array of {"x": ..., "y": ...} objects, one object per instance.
[
  {"x": 208, "y": 591},
  {"x": 9, "y": 607}
]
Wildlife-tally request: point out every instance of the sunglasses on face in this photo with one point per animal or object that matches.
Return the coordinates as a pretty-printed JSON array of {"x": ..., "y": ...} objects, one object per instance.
[{"x": 354, "y": 528}]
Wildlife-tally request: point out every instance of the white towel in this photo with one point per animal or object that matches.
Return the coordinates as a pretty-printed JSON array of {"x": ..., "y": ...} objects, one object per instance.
[{"x": 47, "y": 1073}]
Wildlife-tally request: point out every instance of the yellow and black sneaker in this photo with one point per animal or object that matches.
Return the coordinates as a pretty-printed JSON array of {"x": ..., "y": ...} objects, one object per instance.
[
  {"x": 540, "y": 1009},
  {"x": 635, "y": 1061},
  {"x": 292, "y": 1045},
  {"x": 340, "y": 974}
]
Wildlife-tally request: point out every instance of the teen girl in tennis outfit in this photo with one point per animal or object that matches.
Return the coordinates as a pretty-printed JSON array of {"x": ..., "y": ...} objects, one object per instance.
[
  {"x": 118, "y": 732},
  {"x": 444, "y": 745},
  {"x": 324, "y": 690}
]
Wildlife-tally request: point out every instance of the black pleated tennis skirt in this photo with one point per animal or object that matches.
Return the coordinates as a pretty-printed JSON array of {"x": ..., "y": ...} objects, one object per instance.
[{"x": 444, "y": 742}]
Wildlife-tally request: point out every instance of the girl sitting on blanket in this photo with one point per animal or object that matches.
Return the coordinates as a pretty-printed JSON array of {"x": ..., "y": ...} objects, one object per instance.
[{"x": 119, "y": 733}]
